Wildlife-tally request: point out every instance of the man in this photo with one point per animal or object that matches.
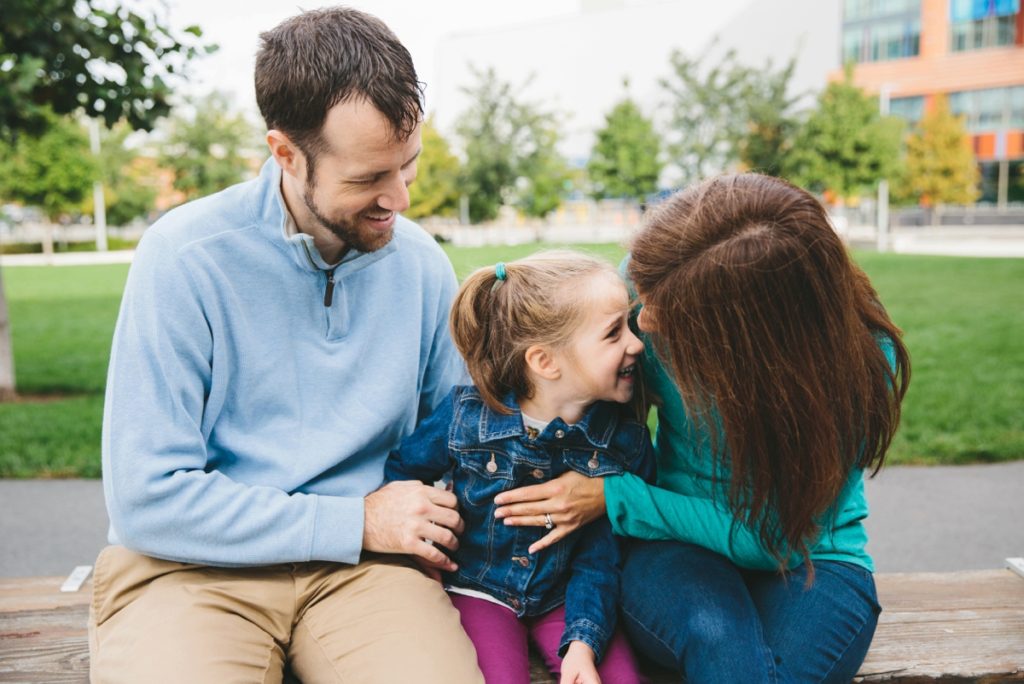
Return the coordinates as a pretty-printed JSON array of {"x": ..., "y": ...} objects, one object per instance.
[{"x": 275, "y": 341}]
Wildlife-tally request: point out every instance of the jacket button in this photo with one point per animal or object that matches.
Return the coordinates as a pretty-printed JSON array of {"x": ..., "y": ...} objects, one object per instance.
[
  {"x": 522, "y": 560},
  {"x": 514, "y": 603},
  {"x": 538, "y": 473},
  {"x": 559, "y": 434},
  {"x": 593, "y": 463}
]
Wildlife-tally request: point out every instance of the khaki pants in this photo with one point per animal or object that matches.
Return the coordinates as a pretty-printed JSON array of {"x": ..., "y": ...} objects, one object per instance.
[{"x": 380, "y": 622}]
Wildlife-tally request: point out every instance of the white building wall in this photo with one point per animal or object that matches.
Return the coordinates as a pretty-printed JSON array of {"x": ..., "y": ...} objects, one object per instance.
[{"x": 577, "y": 62}]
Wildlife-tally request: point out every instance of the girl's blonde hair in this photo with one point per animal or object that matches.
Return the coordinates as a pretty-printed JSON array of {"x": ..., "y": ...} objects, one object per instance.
[{"x": 539, "y": 301}]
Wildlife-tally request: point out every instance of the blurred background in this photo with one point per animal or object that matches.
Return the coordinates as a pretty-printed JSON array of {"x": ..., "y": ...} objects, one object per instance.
[{"x": 548, "y": 123}]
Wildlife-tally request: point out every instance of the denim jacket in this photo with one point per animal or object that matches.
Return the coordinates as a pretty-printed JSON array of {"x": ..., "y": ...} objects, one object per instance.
[{"x": 486, "y": 453}]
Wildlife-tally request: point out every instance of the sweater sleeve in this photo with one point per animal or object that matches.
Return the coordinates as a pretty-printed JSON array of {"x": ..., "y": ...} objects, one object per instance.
[
  {"x": 163, "y": 497},
  {"x": 424, "y": 455},
  {"x": 638, "y": 509}
]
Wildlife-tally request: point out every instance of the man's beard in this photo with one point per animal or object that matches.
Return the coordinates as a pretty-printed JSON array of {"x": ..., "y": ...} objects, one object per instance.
[{"x": 368, "y": 240}]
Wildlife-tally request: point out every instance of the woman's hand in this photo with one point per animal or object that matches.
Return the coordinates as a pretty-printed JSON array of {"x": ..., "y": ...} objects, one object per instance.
[
  {"x": 571, "y": 499},
  {"x": 578, "y": 665}
]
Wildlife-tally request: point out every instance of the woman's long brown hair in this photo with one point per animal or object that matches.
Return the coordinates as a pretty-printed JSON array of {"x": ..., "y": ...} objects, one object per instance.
[{"x": 772, "y": 334}]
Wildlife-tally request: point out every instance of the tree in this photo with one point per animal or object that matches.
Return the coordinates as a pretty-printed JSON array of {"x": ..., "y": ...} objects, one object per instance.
[
  {"x": 206, "y": 151},
  {"x": 543, "y": 172},
  {"x": 940, "y": 163},
  {"x": 509, "y": 150},
  {"x": 770, "y": 123},
  {"x": 129, "y": 179},
  {"x": 845, "y": 146},
  {"x": 436, "y": 190},
  {"x": 71, "y": 55},
  {"x": 706, "y": 113},
  {"x": 624, "y": 161},
  {"x": 65, "y": 56},
  {"x": 53, "y": 171}
]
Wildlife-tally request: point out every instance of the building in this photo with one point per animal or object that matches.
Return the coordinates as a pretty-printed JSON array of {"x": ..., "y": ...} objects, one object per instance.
[{"x": 971, "y": 51}]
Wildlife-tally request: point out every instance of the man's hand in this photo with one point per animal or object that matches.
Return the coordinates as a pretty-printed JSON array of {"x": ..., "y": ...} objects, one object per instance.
[
  {"x": 578, "y": 665},
  {"x": 410, "y": 517}
]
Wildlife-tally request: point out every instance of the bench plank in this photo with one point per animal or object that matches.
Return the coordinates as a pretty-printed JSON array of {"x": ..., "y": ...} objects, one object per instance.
[
  {"x": 936, "y": 627},
  {"x": 948, "y": 626}
]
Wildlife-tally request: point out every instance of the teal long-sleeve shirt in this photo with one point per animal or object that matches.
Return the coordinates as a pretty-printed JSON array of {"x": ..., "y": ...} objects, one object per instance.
[{"x": 689, "y": 503}]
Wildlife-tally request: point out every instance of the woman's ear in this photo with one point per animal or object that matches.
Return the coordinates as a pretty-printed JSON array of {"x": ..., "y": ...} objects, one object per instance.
[{"x": 542, "y": 362}]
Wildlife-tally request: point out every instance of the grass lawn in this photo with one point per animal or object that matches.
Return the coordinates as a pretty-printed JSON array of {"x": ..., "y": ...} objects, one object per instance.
[{"x": 963, "y": 321}]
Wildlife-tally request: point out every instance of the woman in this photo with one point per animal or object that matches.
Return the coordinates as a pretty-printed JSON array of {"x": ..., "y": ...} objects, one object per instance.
[{"x": 778, "y": 379}]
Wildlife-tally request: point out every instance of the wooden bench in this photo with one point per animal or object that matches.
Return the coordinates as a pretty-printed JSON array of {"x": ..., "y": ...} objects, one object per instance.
[{"x": 935, "y": 627}]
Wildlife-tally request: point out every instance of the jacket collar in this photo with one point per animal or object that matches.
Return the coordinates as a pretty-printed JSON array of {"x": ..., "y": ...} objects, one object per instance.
[
  {"x": 272, "y": 216},
  {"x": 595, "y": 429}
]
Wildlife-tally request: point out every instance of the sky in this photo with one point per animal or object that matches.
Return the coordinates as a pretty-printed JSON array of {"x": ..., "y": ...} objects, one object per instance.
[{"x": 235, "y": 26}]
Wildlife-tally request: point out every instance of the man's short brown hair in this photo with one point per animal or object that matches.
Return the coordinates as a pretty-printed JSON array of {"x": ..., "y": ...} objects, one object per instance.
[{"x": 317, "y": 59}]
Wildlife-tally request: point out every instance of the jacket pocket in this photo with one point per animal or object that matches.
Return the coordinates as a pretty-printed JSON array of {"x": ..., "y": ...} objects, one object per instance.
[
  {"x": 593, "y": 462},
  {"x": 486, "y": 473}
]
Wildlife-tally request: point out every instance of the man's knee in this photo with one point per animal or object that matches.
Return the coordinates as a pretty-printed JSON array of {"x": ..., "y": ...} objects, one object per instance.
[{"x": 383, "y": 621}]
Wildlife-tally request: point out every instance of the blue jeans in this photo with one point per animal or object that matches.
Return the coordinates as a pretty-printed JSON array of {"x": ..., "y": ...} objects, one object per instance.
[{"x": 694, "y": 611}]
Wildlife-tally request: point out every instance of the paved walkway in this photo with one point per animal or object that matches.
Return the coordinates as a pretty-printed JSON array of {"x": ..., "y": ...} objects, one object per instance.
[
  {"x": 975, "y": 241},
  {"x": 922, "y": 519}
]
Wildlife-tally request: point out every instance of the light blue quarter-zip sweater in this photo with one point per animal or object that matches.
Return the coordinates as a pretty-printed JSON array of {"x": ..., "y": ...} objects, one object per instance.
[{"x": 245, "y": 420}]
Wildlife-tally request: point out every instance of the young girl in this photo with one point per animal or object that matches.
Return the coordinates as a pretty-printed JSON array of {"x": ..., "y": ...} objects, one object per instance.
[{"x": 553, "y": 362}]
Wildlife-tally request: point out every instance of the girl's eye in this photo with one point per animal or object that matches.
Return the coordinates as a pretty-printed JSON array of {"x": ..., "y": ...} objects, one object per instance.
[{"x": 613, "y": 333}]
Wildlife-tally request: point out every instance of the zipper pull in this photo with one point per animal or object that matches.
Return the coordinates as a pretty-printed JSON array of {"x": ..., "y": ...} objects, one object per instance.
[{"x": 329, "y": 291}]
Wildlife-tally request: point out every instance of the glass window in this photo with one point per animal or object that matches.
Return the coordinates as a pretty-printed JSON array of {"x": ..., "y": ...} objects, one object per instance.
[
  {"x": 910, "y": 109},
  {"x": 1015, "y": 189},
  {"x": 991, "y": 109},
  {"x": 854, "y": 10},
  {"x": 979, "y": 24},
  {"x": 875, "y": 30}
]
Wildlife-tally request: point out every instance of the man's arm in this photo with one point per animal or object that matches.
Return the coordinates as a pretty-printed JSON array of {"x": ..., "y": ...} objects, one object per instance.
[{"x": 163, "y": 497}]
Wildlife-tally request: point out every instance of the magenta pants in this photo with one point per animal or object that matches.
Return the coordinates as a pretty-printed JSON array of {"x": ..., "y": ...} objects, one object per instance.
[{"x": 501, "y": 641}]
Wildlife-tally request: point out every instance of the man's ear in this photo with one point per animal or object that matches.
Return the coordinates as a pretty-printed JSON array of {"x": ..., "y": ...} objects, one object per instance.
[
  {"x": 286, "y": 153},
  {"x": 542, "y": 362}
]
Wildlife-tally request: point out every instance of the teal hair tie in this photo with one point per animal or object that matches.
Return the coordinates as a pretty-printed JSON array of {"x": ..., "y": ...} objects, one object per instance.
[{"x": 500, "y": 274}]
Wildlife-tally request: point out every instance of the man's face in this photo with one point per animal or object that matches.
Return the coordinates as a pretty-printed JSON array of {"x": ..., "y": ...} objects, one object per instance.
[{"x": 361, "y": 180}]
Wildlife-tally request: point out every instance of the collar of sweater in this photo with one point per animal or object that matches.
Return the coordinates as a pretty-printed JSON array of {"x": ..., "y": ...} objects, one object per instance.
[{"x": 273, "y": 218}]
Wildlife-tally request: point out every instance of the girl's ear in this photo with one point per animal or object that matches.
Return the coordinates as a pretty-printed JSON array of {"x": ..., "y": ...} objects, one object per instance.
[{"x": 542, "y": 362}]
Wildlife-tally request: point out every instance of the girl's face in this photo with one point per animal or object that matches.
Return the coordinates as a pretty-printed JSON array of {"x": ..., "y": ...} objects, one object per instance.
[{"x": 599, "y": 363}]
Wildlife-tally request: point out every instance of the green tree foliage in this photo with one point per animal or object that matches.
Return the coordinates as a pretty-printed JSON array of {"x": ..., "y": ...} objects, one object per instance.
[
  {"x": 845, "y": 146},
  {"x": 543, "y": 172},
  {"x": 436, "y": 190},
  {"x": 624, "y": 161},
  {"x": 509, "y": 150},
  {"x": 726, "y": 112},
  {"x": 66, "y": 55},
  {"x": 129, "y": 182},
  {"x": 705, "y": 119},
  {"x": 54, "y": 171},
  {"x": 940, "y": 164},
  {"x": 207, "y": 150},
  {"x": 771, "y": 123}
]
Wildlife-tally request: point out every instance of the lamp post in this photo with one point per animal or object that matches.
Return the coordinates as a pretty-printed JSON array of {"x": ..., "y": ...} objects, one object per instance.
[
  {"x": 98, "y": 203},
  {"x": 882, "y": 235}
]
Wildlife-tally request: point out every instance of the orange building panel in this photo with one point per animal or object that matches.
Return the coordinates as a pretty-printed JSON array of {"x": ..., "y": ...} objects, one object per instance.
[
  {"x": 985, "y": 146},
  {"x": 1015, "y": 144},
  {"x": 951, "y": 72},
  {"x": 934, "y": 28}
]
